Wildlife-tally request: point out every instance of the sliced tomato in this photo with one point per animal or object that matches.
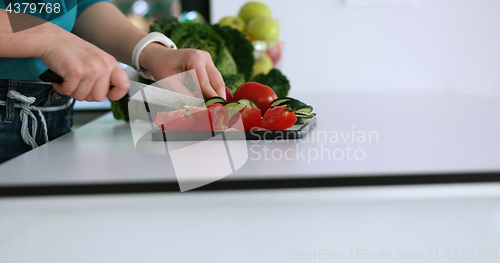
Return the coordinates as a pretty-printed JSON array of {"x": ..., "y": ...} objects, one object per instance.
[
  {"x": 250, "y": 118},
  {"x": 202, "y": 119},
  {"x": 219, "y": 118},
  {"x": 174, "y": 121},
  {"x": 278, "y": 119}
]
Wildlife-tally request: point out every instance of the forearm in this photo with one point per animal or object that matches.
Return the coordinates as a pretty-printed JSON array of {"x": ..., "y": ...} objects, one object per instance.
[
  {"x": 27, "y": 43},
  {"x": 103, "y": 25}
]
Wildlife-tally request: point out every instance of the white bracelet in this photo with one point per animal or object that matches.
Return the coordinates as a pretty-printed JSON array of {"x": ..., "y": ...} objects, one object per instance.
[{"x": 151, "y": 37}]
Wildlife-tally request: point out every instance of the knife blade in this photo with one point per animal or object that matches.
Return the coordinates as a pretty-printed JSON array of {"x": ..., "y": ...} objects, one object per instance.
[{"x": 150, "y": 94}]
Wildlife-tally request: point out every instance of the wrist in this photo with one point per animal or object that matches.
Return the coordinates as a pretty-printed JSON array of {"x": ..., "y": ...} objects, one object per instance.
[{"x": 149, "y": 53}]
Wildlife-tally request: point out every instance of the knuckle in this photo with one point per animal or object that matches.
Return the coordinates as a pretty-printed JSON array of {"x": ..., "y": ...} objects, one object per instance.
[
  {"x": 109, "y": 61},
  {"x": 76, "y": 71}
]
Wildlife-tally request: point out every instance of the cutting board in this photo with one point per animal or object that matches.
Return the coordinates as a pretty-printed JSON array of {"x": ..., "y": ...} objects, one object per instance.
[{"x": 297, "y": 131}]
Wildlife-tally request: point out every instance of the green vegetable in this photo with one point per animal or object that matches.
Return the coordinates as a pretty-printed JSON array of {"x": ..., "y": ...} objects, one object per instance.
[
  {"x": 240, "y": 48},
  {"x": 300, "y": 109},
  {"x": 276, "y": 80},
  {"x": 120, "y": 109},
  {"x": 234, "y": 81},
  {"x": 248, "y": 103}
]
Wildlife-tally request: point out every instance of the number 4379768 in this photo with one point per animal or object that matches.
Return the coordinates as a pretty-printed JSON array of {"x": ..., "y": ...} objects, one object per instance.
[
  {"x": 471, "y": 253},
  {"x": 33, "y": 8}
]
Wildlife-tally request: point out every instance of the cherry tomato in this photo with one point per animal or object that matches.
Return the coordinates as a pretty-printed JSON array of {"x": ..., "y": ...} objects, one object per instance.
[
  {"x": 174, "y": 121},
  {"x": 262, "y": 95},
  {"x": 278, "y": 119},
  {"x": 250, "y": 117},
  {"x": 229, "y": 95},
  {"x": 219, "y": 118}
]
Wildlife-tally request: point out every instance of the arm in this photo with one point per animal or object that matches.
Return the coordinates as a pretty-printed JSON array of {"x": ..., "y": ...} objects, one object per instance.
[
  {"x": 105, "y": 26},
  {"x": 86, "y": 69}
]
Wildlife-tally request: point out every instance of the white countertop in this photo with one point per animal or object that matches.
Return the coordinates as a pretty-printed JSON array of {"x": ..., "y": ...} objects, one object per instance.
[
  {"x": 256, "y": 226},
  {"x": 417, "y": 133}
]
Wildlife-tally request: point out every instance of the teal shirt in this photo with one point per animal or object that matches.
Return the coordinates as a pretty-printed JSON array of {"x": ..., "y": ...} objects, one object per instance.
[{"x": 31, "y": 68}]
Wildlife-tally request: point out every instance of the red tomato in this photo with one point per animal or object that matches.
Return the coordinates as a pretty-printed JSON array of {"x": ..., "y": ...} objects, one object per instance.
[
  {"x": 202, "y": 119},
  {"x": 229, "y": 95},
  {"x": 219, "y": 118},
  {"x": 262, "y": 95},
  {"x": 250, "y": 117},
  {"x": 174, "y": 121},
  {"x": 278, "y": 119}
]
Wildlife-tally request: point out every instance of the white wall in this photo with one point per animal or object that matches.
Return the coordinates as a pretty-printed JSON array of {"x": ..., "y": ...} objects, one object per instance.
[{"x": 431, "y": 45}]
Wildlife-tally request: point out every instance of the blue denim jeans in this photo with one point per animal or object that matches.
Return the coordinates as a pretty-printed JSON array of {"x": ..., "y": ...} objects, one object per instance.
[{"x": 58, "y": 122}]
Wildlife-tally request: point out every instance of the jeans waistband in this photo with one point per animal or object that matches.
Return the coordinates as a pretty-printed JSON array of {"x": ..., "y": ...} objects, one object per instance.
[{"x": 30, "y": 97}]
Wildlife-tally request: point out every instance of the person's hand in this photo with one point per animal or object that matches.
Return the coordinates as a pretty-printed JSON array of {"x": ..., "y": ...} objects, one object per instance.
[
  {"x": 163, "y": 62},
  {"x": 87, "y": 70}
]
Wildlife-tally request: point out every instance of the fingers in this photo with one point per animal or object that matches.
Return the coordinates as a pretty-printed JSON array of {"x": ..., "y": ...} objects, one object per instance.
[
  {"x": 84, "y": 89},
  {"x": 101, "y": 89},
  {"x": 121, "y": 83},
  {"x": 174, "y": 84},
  {"x": 216, "y": 79}
]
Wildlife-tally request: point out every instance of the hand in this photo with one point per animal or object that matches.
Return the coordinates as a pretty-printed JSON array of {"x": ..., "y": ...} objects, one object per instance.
[
  {"x": 163, "y": 62},
  {"x": 87, "y": 70}
]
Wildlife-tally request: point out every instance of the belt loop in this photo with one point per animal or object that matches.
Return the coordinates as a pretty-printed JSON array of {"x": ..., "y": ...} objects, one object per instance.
[{"x": 9, "y": 107}]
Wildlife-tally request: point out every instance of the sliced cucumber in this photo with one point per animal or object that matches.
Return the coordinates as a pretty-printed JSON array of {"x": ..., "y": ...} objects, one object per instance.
[
  {"x": 294, "y": 104},
  {"x": 304, "y": 110},
  {"x": 233, "y": 107},
  {"x": 278, "y": 102},
  {"x": 248, "y": 103},
  {"x": 305, "y": 115},
  {"x": 214, "y": 100}
]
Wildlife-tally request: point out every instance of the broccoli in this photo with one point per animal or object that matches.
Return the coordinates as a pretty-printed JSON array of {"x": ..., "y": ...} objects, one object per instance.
[
  {"x": 276, "y": 80},
  {"x": 240, "y": 48}
]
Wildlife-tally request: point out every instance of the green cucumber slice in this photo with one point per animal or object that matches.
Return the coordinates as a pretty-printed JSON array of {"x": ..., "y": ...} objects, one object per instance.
[
  {"x": 214, "y": 100},
  {"x": 233, "y": 107},
  {"x": 294, "y": 104},
  {"x": 305, "y": 115},
  {"x": 304, "y": 110},
  {"x": 248, "y": 103},
  {"x": 280, "y": 101}
]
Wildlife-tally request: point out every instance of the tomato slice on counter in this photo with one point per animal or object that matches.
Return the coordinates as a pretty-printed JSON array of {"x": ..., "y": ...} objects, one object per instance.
[
  {"x": 278, "y": 119},
  {"x": 250, "y": 117},
  {"x": 174, "y": 121}
]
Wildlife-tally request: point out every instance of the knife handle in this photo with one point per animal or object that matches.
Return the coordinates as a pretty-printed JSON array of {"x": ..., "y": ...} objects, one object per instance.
[{"x": 51, "y": 76}]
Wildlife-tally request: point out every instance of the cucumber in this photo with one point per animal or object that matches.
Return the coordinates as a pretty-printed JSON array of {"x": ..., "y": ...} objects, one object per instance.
[
  {"x": 278, "y": 102},
  {"x": 233, "y": 107},
  {"x": 248, "y": 103},
  {"x": 304, "y": 110},
  {"x": 305, "y": 115},
  {"x": 294, "y": 104},
  {"x": 214, "y": 100},
  {"x": 300, "y": 109}
]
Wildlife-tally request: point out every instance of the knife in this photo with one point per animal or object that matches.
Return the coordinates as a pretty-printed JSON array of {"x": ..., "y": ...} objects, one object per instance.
[{"x": 153, "y": 94}]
